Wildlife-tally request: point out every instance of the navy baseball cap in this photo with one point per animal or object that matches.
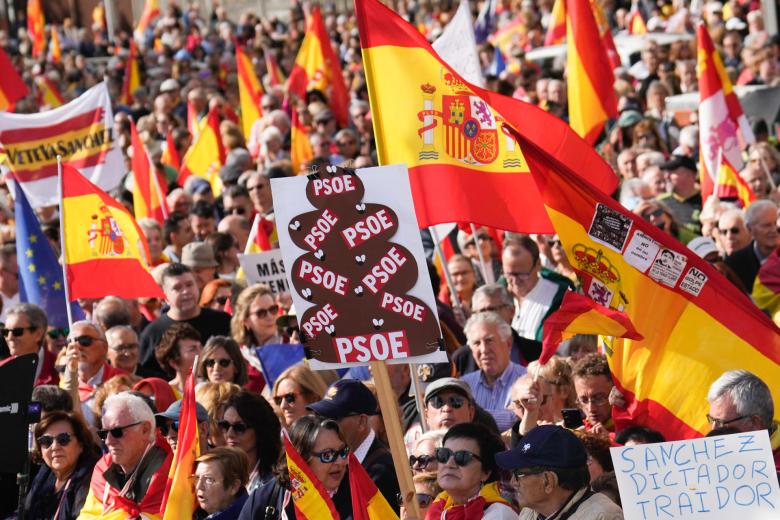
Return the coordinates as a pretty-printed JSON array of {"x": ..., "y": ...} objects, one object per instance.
[
  {"x": 174, "y": 412},
  {"x": 547, "y": 446},
  {"x": 677, "y": 161},
  {"x": 345, "y": 397}
]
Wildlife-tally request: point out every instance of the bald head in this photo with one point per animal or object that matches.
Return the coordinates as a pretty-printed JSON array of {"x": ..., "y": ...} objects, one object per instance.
[{"x": 236, "y": 226}]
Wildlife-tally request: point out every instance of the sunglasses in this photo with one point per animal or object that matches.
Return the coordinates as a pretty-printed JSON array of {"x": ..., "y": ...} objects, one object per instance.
[
  {"x": 84, "y": 341},
  {"x": 238, "y": 427},
  {"x": 238, "y": 211},
  {"x": 330, "y": 456},
  {"x": 57, "y": 333},
  {"x": 165, "y": 428},
  {"x": 262, "y": 313},
  {"x": 462, "y": 457},
  {"x": 453, "y": 401},
  {"x": 63, "y": 439},
  {"x": 289, "y": 331},
  {"x": 224, "y": 362},
  {"x": 652, "y": 214},
  {"x": 16, "y": 331},
  {"x": 422, "y": 461},
  {"x": 733, "y": 231},
  {"x": 424, "y": 499},
  {"x": 125, "y": 348},
  {"x": 116, "y": 433},
  {"x": 222, "y": 300},
  {"x": 553, "y": 243},
  {"x": 289, "y": 398}
]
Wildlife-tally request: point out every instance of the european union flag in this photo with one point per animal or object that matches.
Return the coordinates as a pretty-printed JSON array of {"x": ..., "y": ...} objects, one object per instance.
[{"x": 40, "y": 275}]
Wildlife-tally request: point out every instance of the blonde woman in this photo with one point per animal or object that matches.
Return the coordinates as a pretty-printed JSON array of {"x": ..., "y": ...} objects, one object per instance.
[
  {"x": 213, "y": 396},
  {"x": 295, "y": 388}
]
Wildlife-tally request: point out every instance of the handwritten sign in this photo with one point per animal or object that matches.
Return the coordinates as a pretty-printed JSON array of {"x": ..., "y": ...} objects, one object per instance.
[
  {"x": 266, "y": 267},
  {"x": 356, "y": 267},
  {"x": 723, "y": 477}
]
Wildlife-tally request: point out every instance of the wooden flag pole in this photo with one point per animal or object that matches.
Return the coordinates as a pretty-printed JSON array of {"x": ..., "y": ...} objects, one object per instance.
[
  {"x": 418, "y": 395},
  {"x": 395, "y": 437},
  {"x": 482, "y": 263},
  {"x": 65, "y": 283}
]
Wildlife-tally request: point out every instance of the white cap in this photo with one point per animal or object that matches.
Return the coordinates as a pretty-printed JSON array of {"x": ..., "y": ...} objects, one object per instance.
[
  {"x": 169, "y": 85},
  {"x": 703, "y": 246}
]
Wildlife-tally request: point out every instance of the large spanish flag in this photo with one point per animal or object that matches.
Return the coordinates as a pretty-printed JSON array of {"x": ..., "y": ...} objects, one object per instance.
[
  {"x": 12, "y": 86},
  {"x": 731, "y": 186},
  {"x": 556, "y": 27},
  {"x": 592, "y": 99},
  {"x": 317, "y": 67},
  {"x": 36, "y": 27},
  {"x": 695, "y": 323},
  {"x": 179, "y": 499},
  {"x": 250, "y": 91},
  {"x": 148, "y": 196},
  {"x": 367, "y": 502},
  {"x": 105, "y": 251},
  {"x": 132, "y": 79},
  {"x": 724, "y": 128},
  {"x": 463, "y": 164},
  {"x": 300, "y": 147},
  {"x": 206, "y": 155},
  {"x": 311, "y": 500}
]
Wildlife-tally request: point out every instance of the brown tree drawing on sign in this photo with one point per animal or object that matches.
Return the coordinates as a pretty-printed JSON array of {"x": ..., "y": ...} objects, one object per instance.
[{"x": 356, "y": 278}]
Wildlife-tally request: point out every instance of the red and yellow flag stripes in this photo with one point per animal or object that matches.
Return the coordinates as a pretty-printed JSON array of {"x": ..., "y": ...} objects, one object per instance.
[
  {"x": 48, "y": 94},
  {"x": 695, "y": 323},
  {"x": 310, "y": 498},
  {"x": 179, "y": 499},
  {"x": 54, "y": 45},
  {"x": 318, "y": 68},
  {"x": 132, "y": 79},
  {"x": 453, "y": 136},
  {"x": 206, "y": 155},
  {"x": 731, "y": 186},
  {"x": 105, "y": 251},
  {"x": 367, "y": 502},
  {"x": 250, "y": 91},
  {"x": 36, "y": 27},
  {"x": 592, "y": 98},
  {"x": 148, "y": 195},
  {"x": 12, "y": 86},
  {"x": 150, "y": 12},
  {"x": 556, "y": 28},
  {"x": 301, "y": 151}
]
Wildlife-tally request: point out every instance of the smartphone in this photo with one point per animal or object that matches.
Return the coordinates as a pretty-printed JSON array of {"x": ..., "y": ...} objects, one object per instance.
[{"x": 572, "y": 418}]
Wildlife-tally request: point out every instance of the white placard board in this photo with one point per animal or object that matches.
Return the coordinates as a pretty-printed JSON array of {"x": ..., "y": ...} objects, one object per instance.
[{"x": 265, "y": 267}]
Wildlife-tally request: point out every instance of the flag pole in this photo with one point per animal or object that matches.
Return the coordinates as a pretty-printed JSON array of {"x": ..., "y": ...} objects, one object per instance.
[
  {"x": 717, "y": 170},
  {"x": 457, "y": 306},
  {"x": 418, "y": 395},
  {"x": 482, "y": 263},
  {"x": 252, "y": 234},
  {"x": 65, "y": 283}
]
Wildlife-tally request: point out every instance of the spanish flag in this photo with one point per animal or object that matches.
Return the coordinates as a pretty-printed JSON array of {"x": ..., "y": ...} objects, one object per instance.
[
  {"x": 148, "y": 196},
  {"x": 578, "y": 314},
  {"x": 12, "y": 86},
  {"x": 724, "y": 128},
  {"x": 454, "y": 137},
  {"x": 194, "y": 123},
  {"x": 105, "y": 251},
  {"x": 264, "y": 233},
  {"x": 150, "y": 12},
  {"x": 54, "y": 45},
  {"x": 170, "y": 153},
  {"x": 592, "y": 98},
  {"x": 605, "y": 33},
  {"x": 36, "y": 27},
  {"x": 300, "y": 147},
  {"x": 695, "y": 323},
  {"x": 275, "y": 74},
  {"x": 636, "y": 24},
  {"x": 206, "y": 155},
  {"x": 311, "y": 500},
  {"x": 48, "y": 94},
  {"x": 250, "y": 91},
  {"x": 731, "y": 186},
  {"x": 179, "y": 499},
  {"x": 513, "y": 34},
  {"x": 556, "y": 28},
  {"x": 318, "y": 68},
  {"x": 766, "y": 289},
  {"x": 367, "y": 502},
  {"x": 132, "y": 79}
]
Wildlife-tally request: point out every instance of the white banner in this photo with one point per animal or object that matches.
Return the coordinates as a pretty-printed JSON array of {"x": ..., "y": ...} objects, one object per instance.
[
  {"x": 82, "y": 132},
  {"x": 266, "y": 267}
]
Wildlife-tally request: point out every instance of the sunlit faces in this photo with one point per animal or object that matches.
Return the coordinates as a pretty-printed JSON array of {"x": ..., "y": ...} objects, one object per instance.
[
  {"x": 593, "y": 397},
  {"x": 211, "y": 490},
  {"x": 244, "y": 439},
  {"x": 447, "y": 408},
  {"x": 462, "y": 480},
  {"x": 330, "y": 474},
  {"x": 261, "y": 317},
  {"x": 219, "y": 366},
  {"x": 289, "y": 400},
  {"x": 60, "y": 448},
  {"x": 30, "y": 339}
]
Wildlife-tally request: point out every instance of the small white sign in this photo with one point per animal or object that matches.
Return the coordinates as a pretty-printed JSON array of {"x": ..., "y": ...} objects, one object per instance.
[
  {"x": 641, "y": 251},
  {"x": 266, "y": 267},
  {"x": 667, "y": 267},
  {"x": 694, "y": 281}
]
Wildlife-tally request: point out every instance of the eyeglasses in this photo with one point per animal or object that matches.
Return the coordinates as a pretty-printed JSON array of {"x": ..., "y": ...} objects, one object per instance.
[
  {"x": 289, "y": 331},
  {"x": 63, "y": 439},
  {"x": 224, "y": 362},
  {"x": 125, "y": 348},
  {"x": 518, "y": 473},
  {"x": 258, "y": 187},
  {"x": 262, "y": 313},
  {"x": 238, "y": 427},
  {"x": 421, "y": 462},
  {"x": 84, "y": 341},
  {"x": 519, "y": 404},
  {"x": 117, "y": 432},
  {"x": 289, "y": 398},
  {"x": 57, "y": 333},
  {"x": 207, "y": 480},
  {"x": 16, "y": 331},
  {"x": 221, "y": 300},
  {"x": 345, "y": 143},
  {"x": 424, "y": 499},
  {"x": 172, "y": 427},
  {"x": 652, "y": 214},
  {"x": 596, "y": 400},
  {"x": 482, "y": 238},
  {"x": 237, "y": 210},
  {"x": 462, "y": 457},
  {"x": 554, "y": 243},
  {"x": 453, "y": 401},
  {"x": 733, "y": 231},
  {"x": 492, "y": 308},
  {"x": 330, "y": 456},
  {"x": 520, "y": 276},
  {"x": 720, "y": 423}
]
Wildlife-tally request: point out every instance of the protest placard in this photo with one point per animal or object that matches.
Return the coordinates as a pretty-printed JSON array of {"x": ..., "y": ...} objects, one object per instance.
[
  {"x": 717, "y": 478},
  {"x": 357, "y": 267},
  {"x": 266, "y": 267}
]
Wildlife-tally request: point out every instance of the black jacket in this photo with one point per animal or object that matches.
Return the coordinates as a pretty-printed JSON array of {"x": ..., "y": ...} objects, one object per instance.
[
  {"x": 42, "y": 500},
  {"x": 265, "y": 502},
  {"x": 745, "y": 265}
]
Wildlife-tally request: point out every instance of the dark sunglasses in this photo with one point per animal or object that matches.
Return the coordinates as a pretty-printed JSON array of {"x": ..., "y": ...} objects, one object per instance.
[
  {"x": 16, "y": 331},
  {"x": 224, "y": 362},
  {"x": 330, "y": 456},
  {"x": 454, "y": 401},
  {"x": 222, "y": 300},
  {"x": 84, "y": 341},
  {"x": 422, "y": 460},
  {"x": 262, "y": 313},
  {"x": 652, "y": 214},
  {"x": 733, "y": 231},
  {"x": 165, "y": 428},
  {"x": 462, "y": 457},
  {"x": 238, "y": 427},
  {"x": 424, "y": 499},
  {"x": 288, "y": 397},
  {"x": 289, "y": 331},
  {"x": 116, "y": 433},
  {"x": 63, "y": 439},
  {"x": 238, "y": 211},
  {"x": 553, "y": 243},
  {"x": 58, "y": 333}
]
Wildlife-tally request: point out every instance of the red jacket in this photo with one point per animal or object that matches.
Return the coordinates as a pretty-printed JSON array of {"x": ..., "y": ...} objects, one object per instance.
[
  {"x": 86, "y": 390},
  {"x": 48, "y": 375}
]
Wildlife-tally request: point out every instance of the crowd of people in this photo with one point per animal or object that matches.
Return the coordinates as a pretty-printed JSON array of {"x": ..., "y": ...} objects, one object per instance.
[{"x": 498, "y": 435}]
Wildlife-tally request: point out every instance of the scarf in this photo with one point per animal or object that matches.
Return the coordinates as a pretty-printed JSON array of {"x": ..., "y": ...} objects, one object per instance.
[{"x": 443, "y": 506}]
